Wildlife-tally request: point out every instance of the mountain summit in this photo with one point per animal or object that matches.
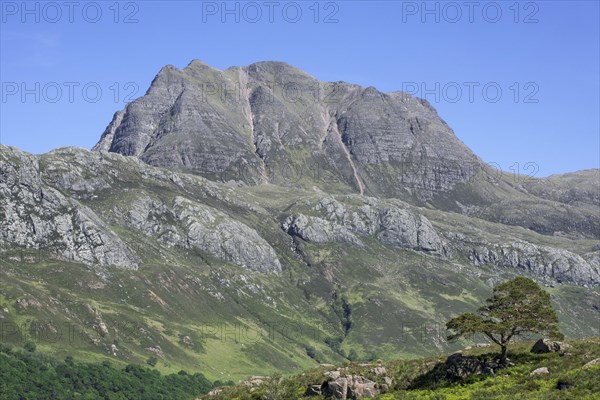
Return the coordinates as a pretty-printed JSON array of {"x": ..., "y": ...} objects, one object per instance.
[{"x": 271, "y": 123}]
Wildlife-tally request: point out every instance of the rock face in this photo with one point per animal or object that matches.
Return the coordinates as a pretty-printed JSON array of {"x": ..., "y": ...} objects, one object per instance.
[
  {"x": 43, "y": 206},
  {"x": 549, "y": 346},
  {"x": 36, "y": 216},
  {"x": 318, "y": 230},
  {"x": 391, "y": 224},
  {"x": 404, "y": 229},
  {"x": 70, "y": 201},
  {"x": 254, "y": 123},
  {"x": 560, "y": 264},
  {"x": 223, "y": 237},
  {"x": 188, "y": 224}
]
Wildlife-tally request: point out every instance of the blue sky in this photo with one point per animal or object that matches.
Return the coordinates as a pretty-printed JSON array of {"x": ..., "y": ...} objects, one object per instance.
[{"x": 543, "y": 57}]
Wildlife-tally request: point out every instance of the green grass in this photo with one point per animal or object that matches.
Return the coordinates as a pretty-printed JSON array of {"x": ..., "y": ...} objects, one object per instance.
[{"x": 421, "y": 378}]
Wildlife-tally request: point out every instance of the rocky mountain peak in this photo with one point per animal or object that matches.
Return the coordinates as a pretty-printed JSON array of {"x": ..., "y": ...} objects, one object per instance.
[
  {"x": 270, "y": 116},
  {"x": 271, "y": 123}
]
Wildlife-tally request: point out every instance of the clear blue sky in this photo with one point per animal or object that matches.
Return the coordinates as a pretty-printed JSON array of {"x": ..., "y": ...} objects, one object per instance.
[{"x": 549, "y": 50}]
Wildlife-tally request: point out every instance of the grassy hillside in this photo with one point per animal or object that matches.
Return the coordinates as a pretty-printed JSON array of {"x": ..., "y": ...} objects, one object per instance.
[
  {"x": 27, "y": 373},
  {"x": 330, "y": 302},
  {"x": 568, "y": 378}
]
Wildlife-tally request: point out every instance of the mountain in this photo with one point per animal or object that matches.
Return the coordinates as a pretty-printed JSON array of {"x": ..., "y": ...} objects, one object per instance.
[
  {"x": 272, "y": 123},
  {"x": 226, "y": 226}
]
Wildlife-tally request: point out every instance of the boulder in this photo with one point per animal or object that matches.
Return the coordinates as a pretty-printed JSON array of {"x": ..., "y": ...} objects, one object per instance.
[
  {"x": 360, "y": 387},
  {"x": 350, "y": 387},
  {"x": 592, "y": 363},
  {"x": 337, "y": 388},
  {"x": 540, "y": 371},
  {"x": 254, "y": 381},
  {"x": 549, "y": 346},
  {"x": 458, "y": 366}
]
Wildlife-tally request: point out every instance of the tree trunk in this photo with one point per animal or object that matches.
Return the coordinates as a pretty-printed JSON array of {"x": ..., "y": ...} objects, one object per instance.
[{"x": 502, "y": 360}]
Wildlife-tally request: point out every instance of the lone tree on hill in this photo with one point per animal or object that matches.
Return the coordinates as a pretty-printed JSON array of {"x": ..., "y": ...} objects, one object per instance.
[{"x": 517, "y": 306}]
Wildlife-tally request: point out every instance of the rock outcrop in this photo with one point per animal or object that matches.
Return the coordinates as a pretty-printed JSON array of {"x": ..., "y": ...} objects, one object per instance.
[
  {"x": 391, "y": 224},
  {"x": 562, "y": 265},
  {"x": 458, "y": 366},
  {"x": 46, "y": 207},
  {"x": 549, "y": 346},
  {"x": 349, "y": 387},
  {"x": 62, "y": 201},
  {"x": 36, "y": 216},
  {"x": 592, "y": 363}
]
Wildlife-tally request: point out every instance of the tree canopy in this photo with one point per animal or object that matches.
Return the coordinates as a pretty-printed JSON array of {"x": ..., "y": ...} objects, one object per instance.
[
  {"x": 516, "y": 307},
  {"x": 31, "y": 375}
]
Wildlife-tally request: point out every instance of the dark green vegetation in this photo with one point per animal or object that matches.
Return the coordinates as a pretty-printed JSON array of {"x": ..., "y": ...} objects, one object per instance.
[
  {"x": 26, "y": 374},
  {"x": 425, "y": 378},
  {"x": 517, "y": 307}
]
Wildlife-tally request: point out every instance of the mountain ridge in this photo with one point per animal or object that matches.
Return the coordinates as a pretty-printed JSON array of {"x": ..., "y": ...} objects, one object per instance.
[{"x": 241, "y": 126}]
